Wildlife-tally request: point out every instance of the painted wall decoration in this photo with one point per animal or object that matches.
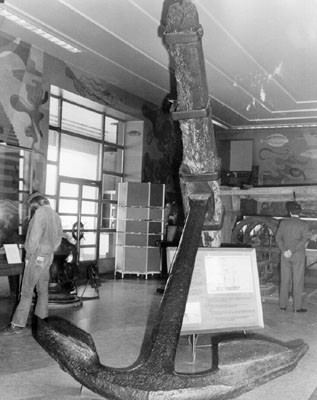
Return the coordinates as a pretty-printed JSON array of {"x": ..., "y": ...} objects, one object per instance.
[
  {"x": 162, "y": 148},
  {"x": 23, "y": 100},
  {"x": 24, "y": 104},
  {"x": 68, "y": 77},
  {"x": 9, "y": 185},
  {"x": 98, "y": 90},
  {"x": 286, "y": 158},
  {"x": 25, "y": 79},
  {"x": 22, "y": 108}
]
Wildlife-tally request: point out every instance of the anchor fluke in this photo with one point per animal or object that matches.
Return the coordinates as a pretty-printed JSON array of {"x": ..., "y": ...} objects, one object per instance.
[{"x": 244, "y": 361}]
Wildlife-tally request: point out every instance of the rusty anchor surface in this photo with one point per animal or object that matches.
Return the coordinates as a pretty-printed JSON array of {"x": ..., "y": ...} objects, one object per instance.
[
  {"x": 240, "y": 362},
  {"x": 153, "y": 375}
]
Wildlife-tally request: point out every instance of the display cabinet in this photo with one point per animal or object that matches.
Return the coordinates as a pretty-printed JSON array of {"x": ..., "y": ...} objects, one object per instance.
[{"x": 140, "y": 228}]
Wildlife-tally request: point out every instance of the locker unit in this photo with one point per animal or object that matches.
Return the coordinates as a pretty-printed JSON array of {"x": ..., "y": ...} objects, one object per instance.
[{"x": 140, "y": 225}]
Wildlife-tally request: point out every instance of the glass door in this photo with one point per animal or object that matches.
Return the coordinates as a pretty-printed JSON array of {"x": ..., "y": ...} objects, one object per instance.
[{"x": 78, "y": 206}]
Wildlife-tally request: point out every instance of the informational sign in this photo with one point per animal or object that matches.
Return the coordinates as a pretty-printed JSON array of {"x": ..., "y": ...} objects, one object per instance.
[
  {"x": 224, "y": 294},
  {"x": 12, "y": 253}
]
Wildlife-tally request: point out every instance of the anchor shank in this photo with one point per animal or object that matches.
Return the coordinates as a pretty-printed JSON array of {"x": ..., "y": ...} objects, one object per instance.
[{"x": 170, "y": 318}]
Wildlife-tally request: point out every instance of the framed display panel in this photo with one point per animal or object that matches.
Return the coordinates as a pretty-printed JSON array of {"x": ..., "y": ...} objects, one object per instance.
[
  {"x": 140, "y": 228},
  {"x": 140, "y": 194},
  {"x": 224, "y": 294},
  {"x": 137, "y": 260}
]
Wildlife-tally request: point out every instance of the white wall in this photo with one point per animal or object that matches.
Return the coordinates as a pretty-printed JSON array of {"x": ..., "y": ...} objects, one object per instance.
[{"x": 133, "y": 151}]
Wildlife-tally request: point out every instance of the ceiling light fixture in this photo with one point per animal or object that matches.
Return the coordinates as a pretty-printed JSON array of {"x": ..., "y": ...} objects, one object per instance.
[{"x": 46, "y": 35}]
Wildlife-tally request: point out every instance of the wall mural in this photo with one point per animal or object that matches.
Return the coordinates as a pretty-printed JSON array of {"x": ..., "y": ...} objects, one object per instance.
[
  {"x": 287, "y": 158},
  {"x": 25, "y": 75},
  {"x": 9, "y": 185},
  {"x": 94, "y": 88},
  {"x": 23, "y": 104},
  {"x": 100, "y": 91},
  {"x": 284, "y": 156},
  {"x": 31, "y": 106},
  {"x": 162, "y": 149},
  {"x": 23, "y": 100},
  {"x": 162, "y": 137}
]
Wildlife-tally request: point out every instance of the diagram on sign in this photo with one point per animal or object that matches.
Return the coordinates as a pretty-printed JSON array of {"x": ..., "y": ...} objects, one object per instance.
[{"x": 227, "y": 274}]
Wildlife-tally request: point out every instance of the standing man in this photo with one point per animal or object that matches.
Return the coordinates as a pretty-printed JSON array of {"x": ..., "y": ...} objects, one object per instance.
[
  {"x": 43, "y": 237},
  {"x": 291, "y": 238}
]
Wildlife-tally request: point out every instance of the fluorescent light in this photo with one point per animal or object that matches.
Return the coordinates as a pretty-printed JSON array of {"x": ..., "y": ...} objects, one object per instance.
[{"x": 20, "y": 21}]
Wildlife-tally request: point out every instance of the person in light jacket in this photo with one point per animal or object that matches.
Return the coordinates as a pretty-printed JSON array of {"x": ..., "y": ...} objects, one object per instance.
[
  {"x": 43, "y": 237},
  {"x": 291, "y": 238}
]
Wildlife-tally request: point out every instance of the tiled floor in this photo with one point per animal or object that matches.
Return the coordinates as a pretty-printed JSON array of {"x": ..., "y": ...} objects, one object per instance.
[{"x": 118, "y": 322}]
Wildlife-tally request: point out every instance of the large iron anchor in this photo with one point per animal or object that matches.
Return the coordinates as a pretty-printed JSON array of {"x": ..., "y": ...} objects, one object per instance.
[
  {"x": 153, "y": 375},
  {"x": 240, "y": 362}
]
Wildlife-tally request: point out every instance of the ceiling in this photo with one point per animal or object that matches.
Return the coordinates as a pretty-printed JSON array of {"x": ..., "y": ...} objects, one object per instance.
[{"x": 260, "y": 55}]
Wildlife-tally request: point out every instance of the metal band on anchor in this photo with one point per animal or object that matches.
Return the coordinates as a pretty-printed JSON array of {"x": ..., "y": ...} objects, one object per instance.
[
  {"x": 189, "y": 114},
  {"x": 211, "y": 176},
  {"x": 184, "y": 37}
]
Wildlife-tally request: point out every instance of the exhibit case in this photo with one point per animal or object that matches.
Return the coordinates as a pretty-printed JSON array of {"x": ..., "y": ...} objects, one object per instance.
[{"x": 140, "y": 228}]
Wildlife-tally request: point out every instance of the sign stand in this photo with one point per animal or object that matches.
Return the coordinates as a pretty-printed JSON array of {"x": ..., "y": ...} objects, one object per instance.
[{"x": 224, "y": 295}]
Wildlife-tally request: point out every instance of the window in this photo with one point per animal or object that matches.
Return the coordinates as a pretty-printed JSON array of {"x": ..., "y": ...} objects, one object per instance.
[
  {"x": 85, "y": 159},
  {"x": 14, "y": 189},
  {"x": 79, "y": 158},
  {"x": 77, "y": 119}
]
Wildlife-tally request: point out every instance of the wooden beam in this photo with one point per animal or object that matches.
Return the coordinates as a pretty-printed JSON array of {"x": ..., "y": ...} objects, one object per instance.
[{"x": 276, "y": 193}]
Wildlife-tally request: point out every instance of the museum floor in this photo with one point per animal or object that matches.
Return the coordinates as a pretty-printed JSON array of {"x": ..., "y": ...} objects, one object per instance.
[{"x": 117, "y": 322}]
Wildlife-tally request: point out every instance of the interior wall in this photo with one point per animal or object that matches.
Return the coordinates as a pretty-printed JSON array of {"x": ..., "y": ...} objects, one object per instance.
[
  {"x": 26, "y": 74},
  {"x": 133, "y": 151},
  {"x": 25, "y": 78},
  {"x": 24, "y": 102},
  {"x": 162, "y": 154},
  {"x": 9, "y": 196},
  {"x": 285, "y": 156}
]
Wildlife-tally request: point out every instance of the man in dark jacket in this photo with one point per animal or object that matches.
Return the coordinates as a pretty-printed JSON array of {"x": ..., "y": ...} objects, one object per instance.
[
  {"x": 43, "y": 237},
  {"x": 291, "y": 238}
]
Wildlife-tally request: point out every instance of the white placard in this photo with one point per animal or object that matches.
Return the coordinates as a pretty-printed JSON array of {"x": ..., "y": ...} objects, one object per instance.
[
  {"x": 192, "y": 313},
  {"x": 224, "y": 294},
  {"x": 12, "y": 253}
]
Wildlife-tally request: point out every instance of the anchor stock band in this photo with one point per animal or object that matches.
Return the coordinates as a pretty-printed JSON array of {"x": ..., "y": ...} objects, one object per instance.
[
  {"x": 211, "y": 176},
  {"x": 184, "y": 37},
  {"x": 189, "y": 114}
]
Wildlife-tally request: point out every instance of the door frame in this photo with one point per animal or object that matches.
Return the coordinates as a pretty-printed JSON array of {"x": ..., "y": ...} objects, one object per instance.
[{"x": 81, "y": 183}]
